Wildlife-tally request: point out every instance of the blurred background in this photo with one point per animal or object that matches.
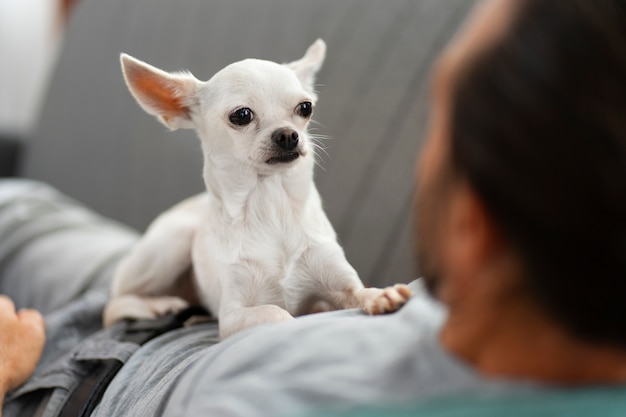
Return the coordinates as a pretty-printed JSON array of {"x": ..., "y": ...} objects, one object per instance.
[{"x": 66, "y": 117}]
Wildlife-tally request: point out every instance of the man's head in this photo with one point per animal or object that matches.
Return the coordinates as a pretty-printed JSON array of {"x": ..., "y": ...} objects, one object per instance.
[{"x": 522, "y": 185}]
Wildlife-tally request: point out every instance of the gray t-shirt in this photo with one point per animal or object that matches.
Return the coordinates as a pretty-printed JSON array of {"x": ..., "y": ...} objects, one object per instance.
[{"x": 326, "y": 361}]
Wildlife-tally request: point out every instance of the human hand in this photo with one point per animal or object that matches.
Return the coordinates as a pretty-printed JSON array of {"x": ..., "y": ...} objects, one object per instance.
[{"x": 22, "y": 337}]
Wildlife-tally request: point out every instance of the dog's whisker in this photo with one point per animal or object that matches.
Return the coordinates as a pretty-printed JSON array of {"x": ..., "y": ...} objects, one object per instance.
[
  {"x": 318, "y": 157},
  {"x": 318, "y": 146},
  {"x": 319, "y": 164},
  {"x": 318, "y": 149},
  {"x": 319, "y": 136}
]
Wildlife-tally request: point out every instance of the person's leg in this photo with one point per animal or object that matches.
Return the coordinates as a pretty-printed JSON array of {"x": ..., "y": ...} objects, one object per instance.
[
  {"x": 52, "y": 249},
  {"x": 58, "y": 257}
]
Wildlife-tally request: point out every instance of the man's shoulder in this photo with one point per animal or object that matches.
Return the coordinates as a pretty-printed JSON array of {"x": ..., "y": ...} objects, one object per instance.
[
  {"x": 321, "y": 338},
  {"x": 338, "y": 357}
]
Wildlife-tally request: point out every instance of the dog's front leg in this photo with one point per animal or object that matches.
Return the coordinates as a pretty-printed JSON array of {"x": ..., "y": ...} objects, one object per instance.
[
  {"x": 237, "y": 318},
  {"x": 250, "y": 297},
  {"x": 326, "y": 273}
]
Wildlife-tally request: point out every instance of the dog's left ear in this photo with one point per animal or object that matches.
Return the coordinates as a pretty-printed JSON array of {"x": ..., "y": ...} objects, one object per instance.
[
  {"x": 306, "y": 68},
  {"x": 170, "y": 97}
]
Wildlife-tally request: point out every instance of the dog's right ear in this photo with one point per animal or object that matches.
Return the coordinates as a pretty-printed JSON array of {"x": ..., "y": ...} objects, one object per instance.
[
  {"x": 170, "y": 97},
  {"x": 306, "y": 68}
]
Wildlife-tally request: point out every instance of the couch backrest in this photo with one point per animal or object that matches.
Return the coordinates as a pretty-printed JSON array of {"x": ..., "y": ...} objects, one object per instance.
[{"x": 97, "y": 145}]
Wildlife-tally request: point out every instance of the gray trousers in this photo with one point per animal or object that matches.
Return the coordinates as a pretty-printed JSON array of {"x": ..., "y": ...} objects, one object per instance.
[{"x": 58, "y": 257}]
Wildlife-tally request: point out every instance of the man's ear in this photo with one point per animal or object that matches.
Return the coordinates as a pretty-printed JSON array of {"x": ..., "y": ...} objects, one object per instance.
[
  {"x": 473, "y": 239},
  {"x": 170, "y": 97},
  {"x": 306, "y": 68}
]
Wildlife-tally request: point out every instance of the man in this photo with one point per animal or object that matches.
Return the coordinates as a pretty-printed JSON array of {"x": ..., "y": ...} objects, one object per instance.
[
  {"x": 523, "y": 192},
  {"x": 522, "y": 238}
]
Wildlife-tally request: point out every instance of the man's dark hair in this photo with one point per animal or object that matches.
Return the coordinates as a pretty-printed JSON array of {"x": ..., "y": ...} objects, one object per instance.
[{"x": 539, "y": 130}]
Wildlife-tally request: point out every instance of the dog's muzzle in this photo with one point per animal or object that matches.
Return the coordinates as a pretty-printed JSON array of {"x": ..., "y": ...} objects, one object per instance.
[{"x": 286, "y": 141}]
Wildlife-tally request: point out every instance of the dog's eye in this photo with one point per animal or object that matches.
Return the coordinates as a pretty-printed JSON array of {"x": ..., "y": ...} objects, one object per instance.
[
  {"x": 241, "y": 117},
  {"x": 305, "y": 109}
]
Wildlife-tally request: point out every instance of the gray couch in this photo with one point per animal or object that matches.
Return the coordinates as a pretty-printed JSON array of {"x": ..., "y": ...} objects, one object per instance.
[{"x": 96, "y": 144}]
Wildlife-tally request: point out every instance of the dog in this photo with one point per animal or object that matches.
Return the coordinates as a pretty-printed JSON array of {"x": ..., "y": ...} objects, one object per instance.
[{"x": 257, "y": 246}]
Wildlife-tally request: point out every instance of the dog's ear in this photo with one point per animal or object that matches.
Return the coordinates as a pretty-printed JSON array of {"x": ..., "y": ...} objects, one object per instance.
[
  {"x": 306, "y": 68},
  {"x": 170, "y": 97}
]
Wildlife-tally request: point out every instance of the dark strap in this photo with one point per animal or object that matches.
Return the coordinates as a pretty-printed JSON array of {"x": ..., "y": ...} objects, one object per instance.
[
  {"x": 84, "y": 399},
  {"x": 89, "y": 392}
]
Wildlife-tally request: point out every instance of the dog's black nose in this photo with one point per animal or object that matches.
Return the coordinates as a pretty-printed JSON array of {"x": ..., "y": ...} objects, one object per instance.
[{"x": 286, "y": 138}]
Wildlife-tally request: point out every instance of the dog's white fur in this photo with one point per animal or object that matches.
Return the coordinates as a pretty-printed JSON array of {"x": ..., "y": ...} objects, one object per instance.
[{"x": 258, "y": 242}]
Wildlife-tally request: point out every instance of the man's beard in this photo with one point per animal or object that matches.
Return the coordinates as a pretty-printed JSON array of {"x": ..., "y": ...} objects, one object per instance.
[
  {"x": 427, "y": 264},
  {"x": 431, "y": 205},
  {"x": 430, "y": 276}
]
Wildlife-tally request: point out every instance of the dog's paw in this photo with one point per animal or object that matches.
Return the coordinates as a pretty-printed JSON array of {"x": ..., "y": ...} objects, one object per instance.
[
  {"x": 140, "y": 308},
  {"x": 385, "y": 300},
  {"x": 160, "y": 306},
  {"x": 321, "y": 306}
]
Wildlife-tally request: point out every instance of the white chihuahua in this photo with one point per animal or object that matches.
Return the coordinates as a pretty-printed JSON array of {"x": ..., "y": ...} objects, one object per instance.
[{"x": 257, "y": 245}]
